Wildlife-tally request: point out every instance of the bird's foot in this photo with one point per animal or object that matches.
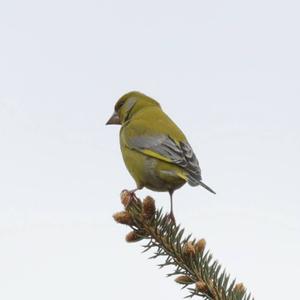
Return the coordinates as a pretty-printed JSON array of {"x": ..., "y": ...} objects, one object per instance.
[
  {"x": 133, "y": 191},
  {"x": 128, "y": 196},
  {"x": 171, "y": 218}
]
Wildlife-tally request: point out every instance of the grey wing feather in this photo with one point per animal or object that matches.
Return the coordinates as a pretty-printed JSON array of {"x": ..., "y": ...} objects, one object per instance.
[{"x": 180, "y": 154}]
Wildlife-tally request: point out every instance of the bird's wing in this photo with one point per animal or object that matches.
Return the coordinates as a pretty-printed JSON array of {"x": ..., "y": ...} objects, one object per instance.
[{"x": 165, "y": 148}]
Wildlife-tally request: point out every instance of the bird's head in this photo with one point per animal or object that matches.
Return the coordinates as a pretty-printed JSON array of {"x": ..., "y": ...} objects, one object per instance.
[{"x": 128, "y": 105}]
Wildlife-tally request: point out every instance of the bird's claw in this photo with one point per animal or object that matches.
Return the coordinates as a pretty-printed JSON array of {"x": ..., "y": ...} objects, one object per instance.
[
  {"x": 171, "y": 218},
  {"x": 127, "y": 197}
]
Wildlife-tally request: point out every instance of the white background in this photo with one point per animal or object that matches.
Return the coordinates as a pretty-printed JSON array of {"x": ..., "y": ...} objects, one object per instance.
[{"x": 226, "y": 71}]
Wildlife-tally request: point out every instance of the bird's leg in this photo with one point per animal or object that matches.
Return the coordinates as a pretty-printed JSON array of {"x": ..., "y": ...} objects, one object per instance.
[
  {"x": 129, "y": 196},
  {"x": 132, "y": 192},
  {"x": 171, "y": 214}
]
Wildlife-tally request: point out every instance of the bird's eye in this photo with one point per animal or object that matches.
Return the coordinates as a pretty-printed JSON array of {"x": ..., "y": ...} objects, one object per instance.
[{"x": 120, "y": 105}]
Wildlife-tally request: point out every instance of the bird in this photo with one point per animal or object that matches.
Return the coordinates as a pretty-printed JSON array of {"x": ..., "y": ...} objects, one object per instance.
[{"x": 155, "y": 151}]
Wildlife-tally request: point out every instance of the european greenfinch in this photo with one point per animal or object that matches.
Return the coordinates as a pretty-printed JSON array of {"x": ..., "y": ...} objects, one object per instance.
[{"x": 155, "y": 151}]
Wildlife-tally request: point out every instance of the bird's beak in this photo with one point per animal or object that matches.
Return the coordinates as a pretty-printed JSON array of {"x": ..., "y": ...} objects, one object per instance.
[{"x": 114, "y": 120}]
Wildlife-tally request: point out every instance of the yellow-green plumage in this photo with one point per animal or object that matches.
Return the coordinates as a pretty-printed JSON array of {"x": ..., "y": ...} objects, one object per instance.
[{"x": 155, "y": 151}]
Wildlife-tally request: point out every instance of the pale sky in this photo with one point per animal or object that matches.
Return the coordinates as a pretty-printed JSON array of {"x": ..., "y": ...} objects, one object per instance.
[{"x": 227, "y": 72}]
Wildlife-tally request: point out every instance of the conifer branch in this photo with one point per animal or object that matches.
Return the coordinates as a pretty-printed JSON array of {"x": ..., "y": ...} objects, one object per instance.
[{"x": 194, "y": 266}]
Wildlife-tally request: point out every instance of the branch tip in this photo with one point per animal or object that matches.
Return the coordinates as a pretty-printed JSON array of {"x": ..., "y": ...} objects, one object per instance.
[{"x": 192, "y": 264}]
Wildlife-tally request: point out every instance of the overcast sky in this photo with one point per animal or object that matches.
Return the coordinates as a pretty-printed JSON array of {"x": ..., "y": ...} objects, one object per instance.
[{"x": 227, "y": 72}]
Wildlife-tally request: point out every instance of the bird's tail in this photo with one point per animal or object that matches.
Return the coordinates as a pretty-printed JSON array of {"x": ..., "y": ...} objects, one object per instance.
[
  {"x": 207, "y": 187},
  {"x": 195, "y": 179}
]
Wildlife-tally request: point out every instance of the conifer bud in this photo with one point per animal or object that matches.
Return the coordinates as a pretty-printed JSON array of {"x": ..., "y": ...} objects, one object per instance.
[
  {"x": 148, "y": 207},
  {"x": 189, "y": 249},
  {"x": 239, "y": 288},
  {"x": 183, "y": 279},
  {"x": 126, "y": 198},
  {"x": 123, "y": 217},
  {"x": 201, "y": 286},
  {"x": 200, "y": 246},
  {"x": 132, "y": 237}
]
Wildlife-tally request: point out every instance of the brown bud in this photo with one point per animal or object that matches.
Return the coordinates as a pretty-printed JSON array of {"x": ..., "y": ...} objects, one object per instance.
[
  {"x": 133, "y": 236},
  {"x": 126, "y": 198},
  {"x": 200, "y": 246},
  {"x": 148, "y": 207},
  {"x": 183, "y": 279},
  {"x": 201, "y": 286},
  {"x": 189, "y": 249},
  {"x": 123, "y": 217},
  {"x": 239, "y": 288}
]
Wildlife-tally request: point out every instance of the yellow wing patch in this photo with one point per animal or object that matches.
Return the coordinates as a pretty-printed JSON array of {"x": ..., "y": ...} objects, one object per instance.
[
  {"x": 182, "y": 175},
  {"x": 155, "y": 155}
]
